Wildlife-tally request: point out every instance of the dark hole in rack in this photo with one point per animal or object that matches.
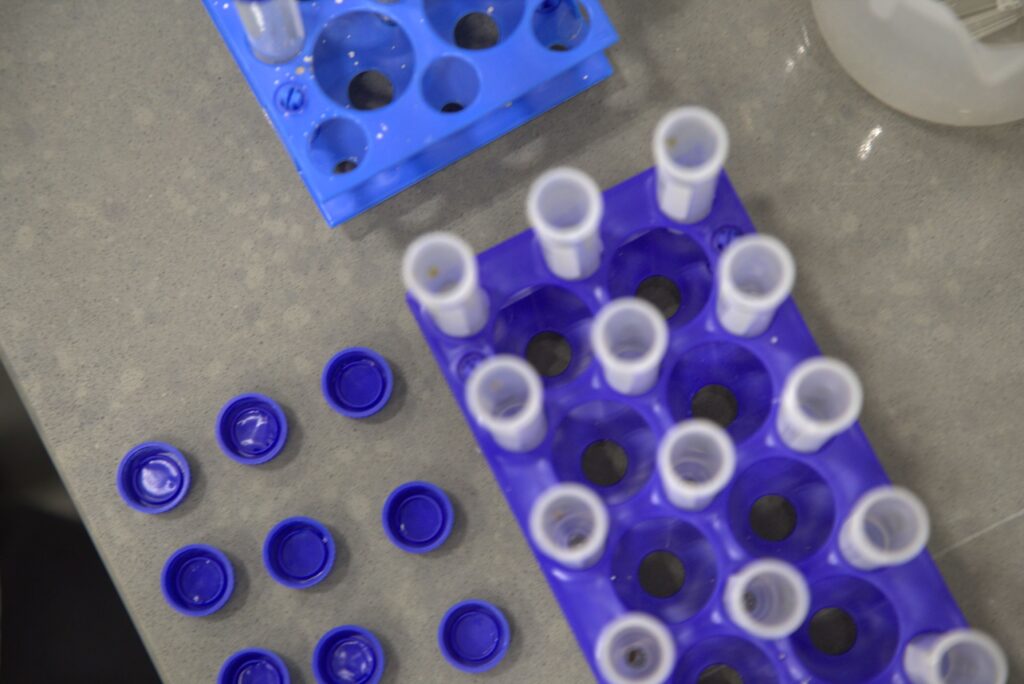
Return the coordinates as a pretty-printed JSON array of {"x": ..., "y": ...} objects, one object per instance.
[
  {"x": 832, "y": 631},
  {"x": 345, "y": 166},
  {"x": 636, "y": 658},
  {"x": 716, "y": 403},
  {"x": 452, "y": 107},
  {"x": 773, "y": 518},
  {"x": 476, "y": 31},
  {"x": 662, "y": 292},
  {"x": 661, "y": 574},
  {"x": 604, "y": 463},
  {"x": 719, "y": 674},
  {"x": 549, "y": 352},
  {"x": 370, "y": 90}
]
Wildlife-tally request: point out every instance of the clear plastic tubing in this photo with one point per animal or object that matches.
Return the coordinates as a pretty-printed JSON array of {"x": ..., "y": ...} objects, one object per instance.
[
  {"x": 690, "y": 148},
  {"x": 887, "y": 526},
  {"x": 960, "y": 656},
  {"x": 274, "y": 28},
  {"x": 629, "y": 338},
  {"x": 440, "y": 272},
  {"x": 565, "y": 207},
  {"x": 820, "y": 398},
  {"x": 768, "y": 599},
  {"x": 505, "y": 396},
  {"x": 696, "y": 460},
  {"x": 755, "y": 276},
  {"x": 635, "y": 648},
  {"x": 569, "y": 525}
]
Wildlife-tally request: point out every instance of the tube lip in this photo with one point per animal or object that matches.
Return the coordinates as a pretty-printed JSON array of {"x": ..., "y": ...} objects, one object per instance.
[
  {"x": 589, "y": 551},
  {"x": 929, "y": 663},
  {"x": 679, "y": 488},
  {"x": 463, "y": 289},
  {"x": 735, "y": 598},
  {"x": 865, "y": 553},
  {"x": 638, "y": 621},
  {"x": 533, "y": 405},
  {"x": 782, "y": 290},
  {"x": 705, "y": 171},
  {"x": 795, "y": 414},
  {"x": 585, "y": 228},
  {"x": 610, "y": 360}
]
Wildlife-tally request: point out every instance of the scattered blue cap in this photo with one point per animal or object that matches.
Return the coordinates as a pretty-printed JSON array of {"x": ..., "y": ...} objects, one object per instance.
[
  {"x": 298, "y": 552},
  {"x": 252, "y": 429},
  {"x": 153, "y": 477},
  {"x": 473, "y": 636},
  {"x": 197, "y": 580},
  {"x": 357, "y": 382},
  {"x": 348, "y": 655},
  {"x": 418, "y": 517},
  {"x": 254, "y": 666}
]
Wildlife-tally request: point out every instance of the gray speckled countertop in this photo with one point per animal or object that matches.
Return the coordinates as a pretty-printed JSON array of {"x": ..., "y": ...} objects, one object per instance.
[{"x": 159, "y": 254}]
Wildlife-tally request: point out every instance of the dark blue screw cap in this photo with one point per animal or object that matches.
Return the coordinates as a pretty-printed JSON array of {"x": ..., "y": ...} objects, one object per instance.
[
  {"x": 153, "y": 477},
  {"x": 357, "y": 382},
  {"x": 298, "y": 552},
  {"x": 473, "y": 636},
  {"x": 197, "y": 580},
  {"x": 348, "y": 655},
  {"x": 254, "y": 666},
  {"x": 418, "y": 517},
  {"x": 251, "y": 429}
]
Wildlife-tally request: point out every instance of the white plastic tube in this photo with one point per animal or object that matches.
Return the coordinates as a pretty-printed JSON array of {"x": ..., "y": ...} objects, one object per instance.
[
  {"x": 887, "y": 526},
  {"x": 696, "y": 460},
  {"x": 635, "y": 648},
  {"x": 768, "y": 599},
  {"x": 565, "y": 207},
  {"x": 755, "y": 276},
  {"x": 960, "y": 656},
  {"x": 569, "y": 525},
  {"x": 274, "y": 28},
  {"x": 820, "y": 398},
  {"x": 629, "y": 338},
  {"x": 440, "y": 272},
  {"x": 504, "y": 394},
  {"x": 690, "y": 148}
]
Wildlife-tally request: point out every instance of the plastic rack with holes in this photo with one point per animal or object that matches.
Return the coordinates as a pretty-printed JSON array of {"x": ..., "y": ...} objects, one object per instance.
[
  {"x": 686, "y": 466},
  {"x": 371, "y": 96}
]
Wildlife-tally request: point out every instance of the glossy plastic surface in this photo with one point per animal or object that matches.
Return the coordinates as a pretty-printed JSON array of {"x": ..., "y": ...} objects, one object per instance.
[
  {"x": 384, "y": 94},
  {"x": 197, "y": 580},
  {"x": 299, "y": 552},
  {"x": 254, "y": 666},
  {"x": 153, "y": 477},
  {"x": 418, "y": 517},
  {"x": 348, "y": 655},
  {"x": 251, "y": 429},
  {"x": 704, "y": 366},
  {"x": 357, "y": 382},
  {"x": 474, "y": 635}
]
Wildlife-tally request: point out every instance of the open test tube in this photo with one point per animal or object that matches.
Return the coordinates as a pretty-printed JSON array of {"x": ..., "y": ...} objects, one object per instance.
[
  {"x": 565, "y": 207},
  {"x": 629, "y": 338},
  {"x": 690, "y": 148},
  {"x": 505, "y": 396},
  {"x": 440, "y": 272},
  {"x": 820, "y": 398},
  {"x": 274, "y": 28},
  {"x": 960, "y": 656},
  {"x": 696, "y": 460},
  {"x": 768, "y": 599},
  {"x": 635, "y": 648},
  {"x": 569, "y": 525},
  {"x": 755, "y": 276},
  {"x": 887, "y": 526}
]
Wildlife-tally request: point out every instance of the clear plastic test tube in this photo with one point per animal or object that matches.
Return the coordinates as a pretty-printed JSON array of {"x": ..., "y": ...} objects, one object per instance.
[
  {"x": 629, "y": 337},
  {"x": 440, "y": 272},
  {"x": 690, "y": 148},
  {"x": 274, "y": 28},
  {"x": 565, "y": 207},
  {"x": 569, "y": 524},
  {"x": 887, "y": 526},
  {"x": 505, "y": 396},
  {"x": 959, "y": 656},
  {"x": 820, "y": 398},
  {"x": 768, "y": 598},
  {"x": 696, "y": 460},
  {"x": 755, "y": 276},
  {"x": 635, "y": 648}
]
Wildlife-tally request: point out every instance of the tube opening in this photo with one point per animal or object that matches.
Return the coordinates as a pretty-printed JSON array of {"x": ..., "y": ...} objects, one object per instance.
[
  {"x": 694, "y": 140},
  {"x": 630, "y": 333},
  {"x": 893, "y": 524},
  {"x": 826, "y": 395},
  {"x": 564, "y": 201},
  {"x": 887, "y": 526},
  {"x": 635, "y": 649},
  {"x": 696, "y": 460},
  {"x": 440, "y": 267},
  {"x": 821, "y": 398},
  {"x": 569, "y": 524},
  {"x": 971, "y": 661},
  {"x": 758, "y": 269},
  {"x": 768, "y": 598}
]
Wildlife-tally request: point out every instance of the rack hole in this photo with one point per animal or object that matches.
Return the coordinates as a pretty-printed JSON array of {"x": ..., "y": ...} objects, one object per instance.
[
  {"x": 550, "y": 353},
  {"x": 604, "y": 463},
  {"x": 477, "y": 31},
  {"x": 450, "y": 84},
  {"x": 661, "y": 574},
  {"x": 370, "y": 90},
  {"x": 338, "y": 146},
  {"x": 716, "y": 403},
  {"x": 561, "y": 25},
  {"x": 719, "y": 674},
  {"x": 832, "y": 631},
  {"x": 773, "y": 518},
  {"x": 662, "y": 292}
]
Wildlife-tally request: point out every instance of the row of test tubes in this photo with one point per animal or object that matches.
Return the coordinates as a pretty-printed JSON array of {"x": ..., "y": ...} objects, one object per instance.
[{"x": 696, "y": 459}]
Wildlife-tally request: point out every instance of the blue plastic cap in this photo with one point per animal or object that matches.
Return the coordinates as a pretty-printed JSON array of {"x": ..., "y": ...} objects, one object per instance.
[
  {"x": 474, "y": 635},
  {"x": 197, "y": 580},
  {"x": 254, "y": 666},
  {"x": 357, "y": 382},
  {"x": 418, "y": 517},
  {"x": 299, "y": 552},
  {"x": 251, "y": 429},
  {"x": 153, "y": 477},
  {"x": 348, "y": 655}
]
